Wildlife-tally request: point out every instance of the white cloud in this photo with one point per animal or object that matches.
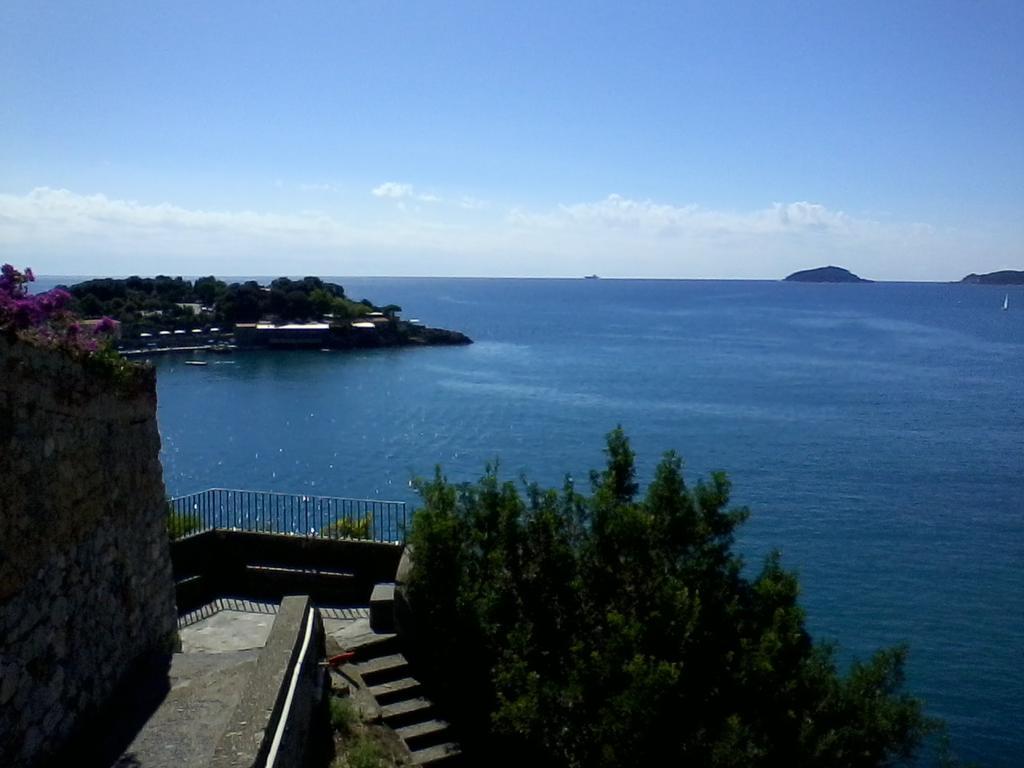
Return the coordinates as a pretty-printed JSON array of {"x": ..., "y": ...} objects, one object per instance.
[
  {"x": 645, "y": 216},
  {"x": 470, "y": 203},
  {"x": 317, "y": 187},
  {"x": 69, "y": 233},
  {"x": 392, "y": 189},
  {"x": 46, "y": 211},
  {"x": 398, "y": 191},
  {"x": 63, "y": 232},
  {"x": 642, "y": 238}
]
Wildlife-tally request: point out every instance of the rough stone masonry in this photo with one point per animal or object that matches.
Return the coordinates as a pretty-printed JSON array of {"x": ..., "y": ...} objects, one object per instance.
[{"x": 86, "y": 589}]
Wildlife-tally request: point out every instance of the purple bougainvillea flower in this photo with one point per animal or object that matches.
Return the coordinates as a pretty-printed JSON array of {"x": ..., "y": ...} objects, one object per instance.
[
  {"x": 12, "y": 281},
  {"x": 54, "y": 301},
  {"x": 25, "y": 313},
  {"x": 106, "y": 326},
  {"x": 9, "y": 282},
  {"x": 45, "y": 318}
]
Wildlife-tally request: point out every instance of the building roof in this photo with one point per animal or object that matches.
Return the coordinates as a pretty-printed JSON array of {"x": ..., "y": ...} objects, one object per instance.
[{"x": 293, "y": 327}]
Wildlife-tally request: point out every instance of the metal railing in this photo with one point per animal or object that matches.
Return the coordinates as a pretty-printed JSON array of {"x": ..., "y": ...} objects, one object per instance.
[{"x": 328, "y": 517}]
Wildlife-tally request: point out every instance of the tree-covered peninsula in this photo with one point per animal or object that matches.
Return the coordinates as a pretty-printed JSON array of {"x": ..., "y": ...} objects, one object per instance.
[
  {"x": 620, "y": 629},
  {"x": 166, "y": 311}
]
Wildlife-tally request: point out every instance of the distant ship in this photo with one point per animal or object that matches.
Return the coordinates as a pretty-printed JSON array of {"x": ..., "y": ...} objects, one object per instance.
[{"x": 590, "y": 277}]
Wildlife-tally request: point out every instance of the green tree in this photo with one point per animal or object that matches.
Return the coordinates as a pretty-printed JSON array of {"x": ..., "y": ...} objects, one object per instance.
[
  {"x": 321, "y": 301},
  {"x": 207, "y": 289},
  {"x": 619, "y": 630},
  {"x": 297, "y": 306},
  {"x": 89, "y": 306}
]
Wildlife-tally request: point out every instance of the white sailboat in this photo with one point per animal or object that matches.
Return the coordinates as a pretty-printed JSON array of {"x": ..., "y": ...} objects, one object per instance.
[{"x": 1006, "y": 302}]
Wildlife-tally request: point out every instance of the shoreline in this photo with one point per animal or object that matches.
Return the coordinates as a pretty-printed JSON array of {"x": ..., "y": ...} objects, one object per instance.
[{"x": 219, "y": 348}]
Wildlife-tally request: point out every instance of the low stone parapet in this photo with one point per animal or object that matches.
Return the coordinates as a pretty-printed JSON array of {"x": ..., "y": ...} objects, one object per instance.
[
  {"x": 268, "y": 566},
  {"x": 275, "y": 722}
]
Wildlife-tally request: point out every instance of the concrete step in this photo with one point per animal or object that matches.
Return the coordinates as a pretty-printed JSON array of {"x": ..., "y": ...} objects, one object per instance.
[
  {"x": 358, "y": 636},
  {"x": 393, "y": 690},
  {"x": 372, "y": 645},
  {"x": 423, "y": 735},
  {"x": 382, "y": 668},
  {"x": 382, "y": 608},
  {"x": 407, "y": 711},
  {"x": 439, "y": 754}
]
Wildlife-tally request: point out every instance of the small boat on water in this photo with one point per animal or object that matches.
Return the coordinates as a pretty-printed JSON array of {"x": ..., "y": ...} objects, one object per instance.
[
  {"x": 1006, "y": 302},
  {"x": 196, "y": 362},
  {"x": 590, "y": 277}
]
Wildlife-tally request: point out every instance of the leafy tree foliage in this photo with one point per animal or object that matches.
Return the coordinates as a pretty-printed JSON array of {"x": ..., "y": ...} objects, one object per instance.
[
  {"x": 208, "y": 289},
  {"x": 165, "y": 303},
  {"x": 619, "y": 630}
]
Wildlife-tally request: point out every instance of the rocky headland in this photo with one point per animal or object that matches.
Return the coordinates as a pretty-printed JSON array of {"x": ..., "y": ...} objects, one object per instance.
[{"x": 1002, "y": 277}]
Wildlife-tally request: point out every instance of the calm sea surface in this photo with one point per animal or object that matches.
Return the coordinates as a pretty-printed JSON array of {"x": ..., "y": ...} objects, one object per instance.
[{"x": 875, "y": 431}]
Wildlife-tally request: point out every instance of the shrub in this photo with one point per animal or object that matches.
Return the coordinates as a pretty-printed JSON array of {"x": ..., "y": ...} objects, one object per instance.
[
  {"x": 181, "y": 524},
  {"x": 348, "y": 528},
  {"x": 44, "y": 319},
  {"x": 614, "y": 630}
]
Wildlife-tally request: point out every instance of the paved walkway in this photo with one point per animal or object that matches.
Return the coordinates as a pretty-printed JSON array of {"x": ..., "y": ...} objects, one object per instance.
[
  {"x": 186, "y": 727},
  {"x": 227, "y": 630},
  {"x": 220, "y": 643}
]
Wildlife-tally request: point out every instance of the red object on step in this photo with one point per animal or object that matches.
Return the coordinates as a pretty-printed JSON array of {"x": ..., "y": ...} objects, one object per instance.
[{"x": 341, "y": 658}]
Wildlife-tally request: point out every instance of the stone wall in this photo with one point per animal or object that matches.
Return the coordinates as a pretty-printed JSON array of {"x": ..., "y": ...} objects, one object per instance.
[{"x": 86, "y": 589}]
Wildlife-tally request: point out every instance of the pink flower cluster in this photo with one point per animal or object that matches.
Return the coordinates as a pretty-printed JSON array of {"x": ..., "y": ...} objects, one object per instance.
[{"x": 45, "y": 316}]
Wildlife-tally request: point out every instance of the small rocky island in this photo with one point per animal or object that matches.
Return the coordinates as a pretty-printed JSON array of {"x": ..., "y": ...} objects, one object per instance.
[
  {"x": 165, "y": 313},
  {"x": 1003, "y": 277},
  {"x": 826, "y": 275}
]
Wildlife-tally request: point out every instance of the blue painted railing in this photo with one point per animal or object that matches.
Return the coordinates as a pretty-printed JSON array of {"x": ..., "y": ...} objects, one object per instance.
[{"x": 297, "y": 514}]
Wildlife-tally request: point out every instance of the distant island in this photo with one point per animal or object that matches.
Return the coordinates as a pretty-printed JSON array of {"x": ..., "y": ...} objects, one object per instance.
[
  {"x": 826, "y": 275},
  {"x": 171, "y": 313},
  {"x": 1003, "y": 277}
]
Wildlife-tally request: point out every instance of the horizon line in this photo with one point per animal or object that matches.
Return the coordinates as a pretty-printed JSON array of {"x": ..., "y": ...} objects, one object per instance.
[{"x": 298, "y": 276}]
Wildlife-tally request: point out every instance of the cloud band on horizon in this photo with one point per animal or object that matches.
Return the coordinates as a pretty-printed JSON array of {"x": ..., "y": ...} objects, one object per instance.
[{"x": 614, "y": 236}]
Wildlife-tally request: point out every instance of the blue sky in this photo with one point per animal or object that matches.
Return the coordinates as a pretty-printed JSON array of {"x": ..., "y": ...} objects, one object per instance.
[{"x": 636, "y": 139}]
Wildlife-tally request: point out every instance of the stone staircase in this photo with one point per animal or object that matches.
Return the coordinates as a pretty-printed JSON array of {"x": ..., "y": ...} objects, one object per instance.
[{"x": 389, "y": 679}]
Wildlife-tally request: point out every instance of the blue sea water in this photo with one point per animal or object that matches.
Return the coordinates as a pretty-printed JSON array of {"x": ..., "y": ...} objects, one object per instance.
[{"x": 875, "y": 431}]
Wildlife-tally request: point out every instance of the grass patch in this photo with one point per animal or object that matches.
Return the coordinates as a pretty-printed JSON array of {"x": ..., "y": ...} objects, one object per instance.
[
  {"x": 360, "y": 744},
  {"x": 343, "y": 715},
  {"x": 364, "y": 752}
]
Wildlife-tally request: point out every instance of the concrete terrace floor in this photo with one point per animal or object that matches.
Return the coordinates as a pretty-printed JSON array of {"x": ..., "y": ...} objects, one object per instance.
[
  {"x": 231, "y": 624},
  {"x": 219, "y": 646}
]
